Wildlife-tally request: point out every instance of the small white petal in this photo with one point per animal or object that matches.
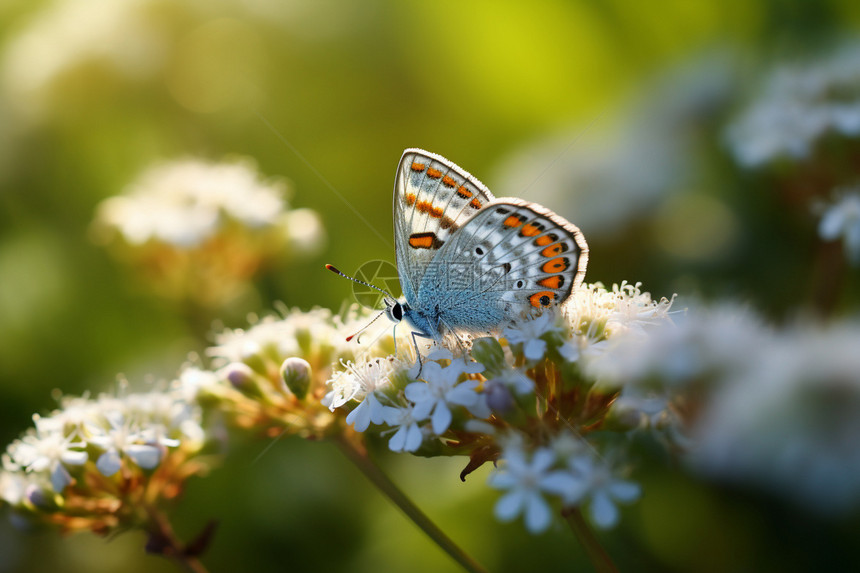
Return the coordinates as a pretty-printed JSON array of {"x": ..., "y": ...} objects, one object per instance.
[
  {"x": 538, "y": 515},
  {"x": 414, "y": 437},
  {"x": 473, "y": 368},
  {"x": 464, "y": 394},
  {"x": 108, "y": 463},
  {"x": 439, "y": 354},
  {"x": 360, "y": 417},
  {"x": 603, "y": 511},
  {"x": 74, "y": 458},
  {"x": 441, "y": 418},
  {"x": 534, "y": 349},
  {"x": 625, "y": 491},
  {"x": 398, "y": 440},
  {"x": 417, "y": 392},
  {"x": 144, "y": 455},
  {"x": 510, "y": 505},
  {"x": 502, "y": 480},
  {"x": 561, "y": 483},
  {"x": 569, "y": 351},
  {"x": 422, "y": 410},
  {"x": 543, "y": 459},
  {"x": 60, "y": 478}
]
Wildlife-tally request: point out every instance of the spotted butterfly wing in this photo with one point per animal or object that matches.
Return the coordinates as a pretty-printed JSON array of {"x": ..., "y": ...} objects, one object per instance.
[
  {"x": 510, "y": 258},
  {"x": 433, "y": 198}
]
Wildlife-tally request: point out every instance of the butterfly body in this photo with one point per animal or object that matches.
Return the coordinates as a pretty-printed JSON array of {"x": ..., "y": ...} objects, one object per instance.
[{"x": 469, "y": 262}]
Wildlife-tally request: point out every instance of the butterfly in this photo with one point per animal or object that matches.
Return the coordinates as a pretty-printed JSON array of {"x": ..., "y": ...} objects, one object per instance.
[{"x": 469, "y": 262}]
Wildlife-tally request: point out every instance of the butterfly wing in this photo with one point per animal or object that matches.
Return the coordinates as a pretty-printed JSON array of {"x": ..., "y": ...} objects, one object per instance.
[
  {"x": 433, "y": 198},
  {"x": 510, "y": 258}
]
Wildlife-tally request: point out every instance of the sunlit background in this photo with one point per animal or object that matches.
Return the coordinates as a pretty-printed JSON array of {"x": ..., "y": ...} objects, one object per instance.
[{"x": 665, "y": 131}]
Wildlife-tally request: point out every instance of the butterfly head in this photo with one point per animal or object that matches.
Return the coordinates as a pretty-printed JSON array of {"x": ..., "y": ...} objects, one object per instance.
[{"x": 394, "y": 309}]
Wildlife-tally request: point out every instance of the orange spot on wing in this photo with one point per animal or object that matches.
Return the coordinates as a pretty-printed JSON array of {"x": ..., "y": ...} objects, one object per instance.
[
  {"x": 448, "y": 182},
  {"x": 410, "y": 198},
  {"x": 556, "y": 265},
  {"x": 513, "y": 221},
  {"x": 427, "y": 207},
  {"x": 434, "y": 173},
  {"x": 543, "y": 298},
  {"x": 530, "y": 230},
  {"x": 463, "y": 192},
  {"x": 475, "y": 203},
  {"x": 544, "y": 240},
  {"x": 421, "y": 242},
  {"x": 424, "y": 241},
  {"x": 418, "y": 166},
  {"x": 554, "y": 281},
  {"x": 553, "y": 250}
]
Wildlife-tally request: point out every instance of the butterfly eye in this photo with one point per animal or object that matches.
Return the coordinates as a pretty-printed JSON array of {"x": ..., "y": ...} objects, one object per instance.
[{"x": 397, "y": 312}]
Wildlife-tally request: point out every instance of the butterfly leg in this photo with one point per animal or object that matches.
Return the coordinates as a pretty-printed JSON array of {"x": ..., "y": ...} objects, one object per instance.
[{"x": 419, "y": 363}]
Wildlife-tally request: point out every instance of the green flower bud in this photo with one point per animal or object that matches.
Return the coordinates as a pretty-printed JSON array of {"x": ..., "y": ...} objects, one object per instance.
[
  {"x": 296, "y": 374},
  {"x": 489, "y": 352}
]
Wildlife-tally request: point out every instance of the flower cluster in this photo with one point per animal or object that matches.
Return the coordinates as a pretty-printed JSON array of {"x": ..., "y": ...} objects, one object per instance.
[
  {"x": 104, "y": 464},
  {"x": 272, "y": 377},
  {"x": 797, "y": 106},
  {"x": 200, "y": 230},
  {"x": 523, "y": 401},
  {"x": 777, "y": 409}
]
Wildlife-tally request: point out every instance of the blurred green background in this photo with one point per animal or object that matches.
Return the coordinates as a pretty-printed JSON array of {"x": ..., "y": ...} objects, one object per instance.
[{"x": 328, "y": 94}]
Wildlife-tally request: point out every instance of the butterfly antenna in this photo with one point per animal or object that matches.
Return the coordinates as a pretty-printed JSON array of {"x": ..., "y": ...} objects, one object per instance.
[
  {"x": 335, "y": 270},
  {"x": 363, "y": 328}
]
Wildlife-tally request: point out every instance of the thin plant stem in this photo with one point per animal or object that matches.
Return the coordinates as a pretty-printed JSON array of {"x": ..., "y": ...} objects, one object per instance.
[
  {"x": 372, "y": 472},
  {"x": 596, "y": 553},
  {"x": 163, "y": 541}
]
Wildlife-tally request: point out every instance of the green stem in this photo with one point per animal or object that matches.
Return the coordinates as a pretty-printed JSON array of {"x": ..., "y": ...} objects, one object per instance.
[
  {"x": 596, "y": 554},
  {"x": 386, "y": 486},
  {"x": 163, "y": 541}
]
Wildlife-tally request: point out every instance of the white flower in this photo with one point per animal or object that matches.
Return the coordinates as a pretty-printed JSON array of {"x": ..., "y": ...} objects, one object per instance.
[
  {"x": 797, "y": 105},
  {"x": 705, "y": 343},
  {"x": 842, "y": 220},
  {"x": 527, "y": 481},
  {"x": 596, "y": 312},
  {"x": 529, "y": 332},
  {"x": 122, "y": 437},
  {"x": 789, "y": 421},
  {"x": 184, "y": 203},
  {"x": 48, "y": 452},
  {"x": 597, "y": 486},
  {"x": 441, "y": 389},
  {"x": 409, "y": 435},
  {"x": 292, "y": 335},
  {"x": 362, "y": 382}
]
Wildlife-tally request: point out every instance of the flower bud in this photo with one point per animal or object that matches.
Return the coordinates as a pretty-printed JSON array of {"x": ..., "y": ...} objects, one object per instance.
[
  {"x": 499, "y": 397},
  {"x": 240, "y": 376},
  {"x": 40, "y": 499},
  {"x": 296, "y": 374},
  {"x": 489, "y": 352}
]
